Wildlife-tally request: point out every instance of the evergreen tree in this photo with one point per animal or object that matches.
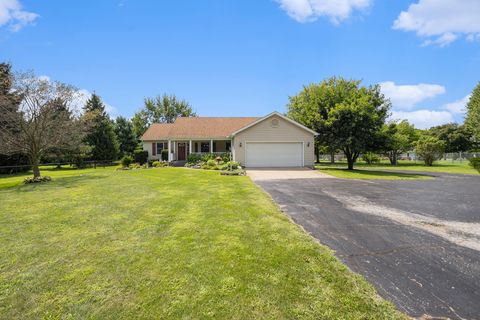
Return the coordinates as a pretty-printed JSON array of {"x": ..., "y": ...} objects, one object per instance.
[
  {"x": 472, "y": 120},
  {"x": 100, "y": 134},
  {"x": 9, "y": 103},
  {"x": 126, "y": 138}
]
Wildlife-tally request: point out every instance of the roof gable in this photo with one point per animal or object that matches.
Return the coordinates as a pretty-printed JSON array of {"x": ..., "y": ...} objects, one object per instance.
[{"x": 278, "y": 114}]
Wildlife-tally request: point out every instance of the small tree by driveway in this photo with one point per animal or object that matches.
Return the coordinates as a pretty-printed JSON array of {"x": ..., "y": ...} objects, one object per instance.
[{"x": 430, "y": 149}]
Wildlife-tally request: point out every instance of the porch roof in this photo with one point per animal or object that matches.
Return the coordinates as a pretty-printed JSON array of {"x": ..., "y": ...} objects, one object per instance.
[{"x": 197, "y": 128}]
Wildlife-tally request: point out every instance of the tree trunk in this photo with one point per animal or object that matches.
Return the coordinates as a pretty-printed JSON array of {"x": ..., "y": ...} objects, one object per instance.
[
  {"x": 350, "y": 162},
  {"x": 36, "y": 169},
  {"x": 317, "y": 154},
  {"x": 332, "y": 157}
]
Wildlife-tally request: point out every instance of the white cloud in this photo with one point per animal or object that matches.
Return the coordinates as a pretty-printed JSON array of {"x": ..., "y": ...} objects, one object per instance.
[
  {"x": 458, "y": 106},
  {"x": 423, "y": 119},
  {"x": 11, "y": 14},
  {"x": 407, "y": 96},
  {"x": 441, "y": 22},
  {"x": 311, "y": 10}
]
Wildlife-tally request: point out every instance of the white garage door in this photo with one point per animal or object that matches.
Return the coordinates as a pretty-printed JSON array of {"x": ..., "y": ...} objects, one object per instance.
[{"x": 274, "y": 154}]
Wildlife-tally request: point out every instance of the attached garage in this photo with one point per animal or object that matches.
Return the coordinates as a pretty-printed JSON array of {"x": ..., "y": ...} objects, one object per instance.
[
  {"x": 274, "y": 154},
  {"x": 274, "y": 141}
]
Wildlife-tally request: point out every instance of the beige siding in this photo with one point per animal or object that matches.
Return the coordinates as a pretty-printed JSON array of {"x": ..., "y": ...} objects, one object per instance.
[{"x": 266, "y": 132}]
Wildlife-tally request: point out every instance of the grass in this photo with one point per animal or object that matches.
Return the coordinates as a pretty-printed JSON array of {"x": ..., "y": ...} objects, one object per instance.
[
  {"x": 405, "y": 165},
  {"x": 165, "y": 243},
  {"x": 365, "y": 174}
]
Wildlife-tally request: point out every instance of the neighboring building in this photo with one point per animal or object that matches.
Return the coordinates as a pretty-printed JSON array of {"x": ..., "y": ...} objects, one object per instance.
[{"x": 271, "y": 141}]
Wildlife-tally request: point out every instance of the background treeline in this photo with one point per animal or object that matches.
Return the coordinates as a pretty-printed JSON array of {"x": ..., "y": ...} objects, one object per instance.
[{"x": 41, "y": 123}]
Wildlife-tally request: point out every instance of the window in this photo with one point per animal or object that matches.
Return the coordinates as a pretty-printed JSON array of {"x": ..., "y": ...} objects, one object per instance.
[
  {"x": 205, "y": 147},
  {"x": 228, "y": 145},
  {"x": 195, "y": 146},
  {"x": 214, "y": 146},
  {"x": 161, "y": 146}
]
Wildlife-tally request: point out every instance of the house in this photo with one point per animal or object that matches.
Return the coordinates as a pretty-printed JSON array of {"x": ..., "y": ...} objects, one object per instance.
[{"x": 270, "y": 141}]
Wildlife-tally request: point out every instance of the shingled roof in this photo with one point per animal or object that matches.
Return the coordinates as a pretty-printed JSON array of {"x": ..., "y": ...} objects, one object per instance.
[{"x": 197, "y": 128}]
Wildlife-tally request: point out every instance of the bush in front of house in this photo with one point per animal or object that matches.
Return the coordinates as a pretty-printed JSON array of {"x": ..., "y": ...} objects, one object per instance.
[
  {"x": 194, "y": 158},
  {"x": 159, "y": 164},
  {"x": 140, "y": 156},
  {"x": 37, "y": 179},
  {"x": 475, "y": 163},
  {"x": 370, "y": 158},
  {"x": 164, "y": 155},
  {"x": 126, "y": 161}
]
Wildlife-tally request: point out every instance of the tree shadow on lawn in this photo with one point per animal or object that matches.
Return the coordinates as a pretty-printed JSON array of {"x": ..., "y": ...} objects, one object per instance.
[
  {"x": 373, "y": 174},
  {"x": 57, "y": 182}
]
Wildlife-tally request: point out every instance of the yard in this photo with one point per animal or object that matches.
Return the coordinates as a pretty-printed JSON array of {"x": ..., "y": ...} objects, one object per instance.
[
  {"x": 385, "y": 171},
  {"x": 165, "y": 243}
]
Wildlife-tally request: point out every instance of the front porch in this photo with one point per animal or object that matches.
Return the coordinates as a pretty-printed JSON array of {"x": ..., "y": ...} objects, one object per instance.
[{"x": 178, "y": 150}]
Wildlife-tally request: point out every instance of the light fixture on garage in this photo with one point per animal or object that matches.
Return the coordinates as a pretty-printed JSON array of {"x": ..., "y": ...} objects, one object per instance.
[
  {"x": 240, "y": 144},
  {"x": 308, "y": 144}
]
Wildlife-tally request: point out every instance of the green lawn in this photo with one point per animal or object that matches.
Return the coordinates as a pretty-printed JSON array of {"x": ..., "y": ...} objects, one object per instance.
[
  {"x": 439, "y": 166},
  {"x": 165, "y": 243},
  {"x": 365, "y": 174}
]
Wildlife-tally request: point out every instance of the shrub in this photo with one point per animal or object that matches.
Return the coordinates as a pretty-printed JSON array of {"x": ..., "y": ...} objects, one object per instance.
[
  {"x": 194, "y": 158},
  {"x": 37, "y": 179},
  {"x": 141, "y": 156},
  {"x": 430, "y": 149},
  {"x": 126, "y": 161},
  {"x": 232, "y": 165},
  {"x": 207, "y": 156},
  {"x": 164, "y": 155},
  {"x": 475, "y": 163},
  {"x": 370, "y": 158},
  {"x": 211, "y": 163},
  {"x": 156, "y": 164}
]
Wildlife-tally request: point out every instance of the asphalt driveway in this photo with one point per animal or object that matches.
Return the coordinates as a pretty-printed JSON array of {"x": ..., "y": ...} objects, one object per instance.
[{"x": 417, "y": 242}]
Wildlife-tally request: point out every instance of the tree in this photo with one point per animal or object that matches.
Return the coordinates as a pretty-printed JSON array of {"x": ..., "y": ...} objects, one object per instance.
[
  {"x": 125, "y": 136},
  {"x": 472, "y": 119},
  {"x": 36, "y": 126},
  {"x": 398, "y": 138},
  {"x": 346, "y": 115},
  {"x": 9, "y": 101},
  {"x": 100, "y": 134},
  {"x": 164, "y": 109},
  {"x": 430, "y": 149},
  {"x": 455, "y": 137}
]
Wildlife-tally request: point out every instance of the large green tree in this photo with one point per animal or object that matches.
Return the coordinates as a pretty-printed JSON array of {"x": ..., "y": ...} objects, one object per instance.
[
  {"x": 161, "y": 109},
  {"x": 398, "y": 137},
  {"x": 100, "y": 134},
  {"x": 346, "y": 115},
  {"x": 472, "y": 119},
  {"x": 456, "y": 138},
  {"x": 125, "y": 135}
]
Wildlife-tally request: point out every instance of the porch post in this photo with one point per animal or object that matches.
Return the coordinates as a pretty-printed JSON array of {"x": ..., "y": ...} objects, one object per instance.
[
  {"x": 169, "y": 151},
  {"x": 190, "y": 147},
  {"x": 211, "y": 146}
]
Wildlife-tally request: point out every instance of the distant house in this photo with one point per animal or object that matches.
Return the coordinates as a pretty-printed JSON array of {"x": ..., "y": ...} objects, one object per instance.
[{"x": 270, "y": 141}]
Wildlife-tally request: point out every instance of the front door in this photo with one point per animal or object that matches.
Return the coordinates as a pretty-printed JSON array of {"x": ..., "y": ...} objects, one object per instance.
[{"x": 182, "y": 151}]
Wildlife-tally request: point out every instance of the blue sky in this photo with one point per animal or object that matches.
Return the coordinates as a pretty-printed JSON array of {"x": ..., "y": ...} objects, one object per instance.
[{"x": 245, "y": 57}]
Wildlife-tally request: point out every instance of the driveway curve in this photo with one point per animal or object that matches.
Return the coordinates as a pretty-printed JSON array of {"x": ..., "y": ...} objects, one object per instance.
[{"x": 417, "y": 241}]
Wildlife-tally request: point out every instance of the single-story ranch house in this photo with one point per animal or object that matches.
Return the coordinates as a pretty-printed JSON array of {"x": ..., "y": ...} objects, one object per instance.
[{"x": 270, "y": 141}]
